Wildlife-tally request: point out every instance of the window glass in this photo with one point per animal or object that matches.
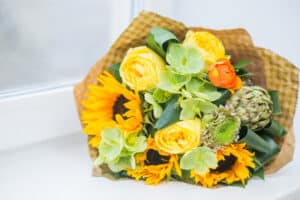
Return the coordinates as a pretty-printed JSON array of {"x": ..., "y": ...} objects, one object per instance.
[{"x": 50, "y": 42}]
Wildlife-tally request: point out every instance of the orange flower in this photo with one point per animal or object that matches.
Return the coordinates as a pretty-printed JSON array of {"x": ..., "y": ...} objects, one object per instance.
[{"x": 222, "y": 75}]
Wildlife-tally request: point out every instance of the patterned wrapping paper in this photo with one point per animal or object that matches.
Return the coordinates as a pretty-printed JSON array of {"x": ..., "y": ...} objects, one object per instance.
[{"x": 269, "y": 70}]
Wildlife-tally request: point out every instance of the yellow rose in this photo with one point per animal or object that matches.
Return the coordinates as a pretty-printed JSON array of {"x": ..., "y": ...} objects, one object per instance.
[
  {"x": 140, "y": 68},
  {"x": 210, "y": 47},
  {"x": 179, "y": 137}
]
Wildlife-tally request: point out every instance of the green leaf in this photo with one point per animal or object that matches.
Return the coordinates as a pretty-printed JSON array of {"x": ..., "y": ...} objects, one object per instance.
[
  {"x": 154, "y": 46},
  {"x": 243, "y": 73},
  {"x": 115, "y": 70},
  {"x": 169, "y": 115},
  {"x": 241, "y": 64},
  {"x": 172, "y": 82},
  {"x": 259, "y": 173},
  {"x": 201, "y": 159},
  {"x": 157, "y": 109},
  {"x": 276, "y": 102},
  {"x": 159, "y": 38},
  {"x": 265, "y": 157},
  {"x": 203, "y": 89},
  {"x": 162, "y": 36},
  {"x": 255, "y": 141},
  {"x": 225, "y": 95},
  {"x": 273, "y": 129},
  {"x": 258, "y": 164},
  {"x": 184, "y": 60}
]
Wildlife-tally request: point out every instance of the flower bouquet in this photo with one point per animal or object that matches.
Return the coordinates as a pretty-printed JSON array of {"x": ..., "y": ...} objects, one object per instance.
[{"x": 201, "y": 106}]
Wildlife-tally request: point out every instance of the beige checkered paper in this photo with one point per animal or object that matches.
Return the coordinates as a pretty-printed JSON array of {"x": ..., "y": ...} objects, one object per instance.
[{"x": 270, "y": 70}]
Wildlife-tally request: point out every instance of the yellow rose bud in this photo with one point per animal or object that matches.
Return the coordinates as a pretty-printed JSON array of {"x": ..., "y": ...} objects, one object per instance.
[
  {"x": 210, "y": 47},
  {"x": 179, "y": 137},
  {"x": 140, "y": 68}
]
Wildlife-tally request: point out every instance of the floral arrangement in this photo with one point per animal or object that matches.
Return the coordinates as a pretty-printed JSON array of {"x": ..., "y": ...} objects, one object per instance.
[{"x": 173, "y": 110}]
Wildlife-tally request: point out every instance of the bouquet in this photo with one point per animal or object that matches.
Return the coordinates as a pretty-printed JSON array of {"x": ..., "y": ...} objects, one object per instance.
[{"x": 188, "y": 104}]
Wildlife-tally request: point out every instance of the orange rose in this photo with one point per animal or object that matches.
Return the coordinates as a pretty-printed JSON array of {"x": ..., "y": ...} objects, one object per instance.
[{"x": 222, "y": 75}]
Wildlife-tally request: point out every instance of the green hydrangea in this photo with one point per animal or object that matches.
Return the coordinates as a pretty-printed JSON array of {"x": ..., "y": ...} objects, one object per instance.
[
  {"x": 194, "y": 106},
  {"x": 117, "y": 151},
  {"x": 184, "y": 60},
  {"x": 200, "y": 159}
]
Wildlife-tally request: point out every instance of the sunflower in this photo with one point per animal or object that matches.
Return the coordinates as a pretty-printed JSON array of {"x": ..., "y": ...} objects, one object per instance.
[
  {"x": 234, "y": 162},
  {"x": 110, "y": 104},
  {"x": 154, "y": 165}
]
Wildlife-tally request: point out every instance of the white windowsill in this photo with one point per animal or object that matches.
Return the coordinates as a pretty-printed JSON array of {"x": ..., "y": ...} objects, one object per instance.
[
  {"x": 36, "y": 117},
  {"x": 61, "y": 169}
]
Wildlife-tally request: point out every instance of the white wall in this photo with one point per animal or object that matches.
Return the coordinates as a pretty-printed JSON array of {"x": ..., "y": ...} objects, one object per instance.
[{"x": 273, "y": 24}]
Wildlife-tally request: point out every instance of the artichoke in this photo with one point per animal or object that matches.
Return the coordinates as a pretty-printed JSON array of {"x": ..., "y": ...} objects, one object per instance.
[
  {"x": 222, "y": 127},
  {"x": 253, "y": 105}
]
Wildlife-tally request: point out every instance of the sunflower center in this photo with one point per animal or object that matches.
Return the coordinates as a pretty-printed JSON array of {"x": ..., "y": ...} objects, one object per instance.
[
  {"x": 226, "y": 164},
  {"x": 118, "y": 107},
  {"x": 154, "y": 158}
]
